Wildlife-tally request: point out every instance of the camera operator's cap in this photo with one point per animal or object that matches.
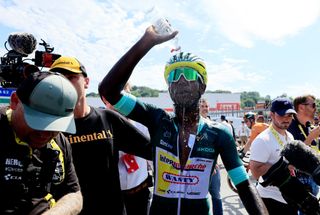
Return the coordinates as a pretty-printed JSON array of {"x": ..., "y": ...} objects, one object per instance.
[
  {"x": 68, "y": 64},
  {"x": 282, "y": 106},
  {"x": 48, "y": 100}
]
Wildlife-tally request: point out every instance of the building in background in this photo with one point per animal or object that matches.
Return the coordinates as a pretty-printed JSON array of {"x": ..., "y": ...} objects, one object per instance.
[{"x": 221, "y": 102}]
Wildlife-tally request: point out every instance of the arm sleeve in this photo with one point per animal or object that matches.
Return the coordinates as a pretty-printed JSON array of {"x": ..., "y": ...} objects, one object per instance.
[
  {"x": 230, "y": 158},
  {"x": 247, "y": 191}
]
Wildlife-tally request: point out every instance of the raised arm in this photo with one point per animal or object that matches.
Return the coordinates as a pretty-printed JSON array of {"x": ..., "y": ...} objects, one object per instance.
[{"x": 112, "y": 84}]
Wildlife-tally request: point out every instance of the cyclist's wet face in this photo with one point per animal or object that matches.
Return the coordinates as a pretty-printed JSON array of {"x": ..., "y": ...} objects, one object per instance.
[{"x": 186, "y": 93}]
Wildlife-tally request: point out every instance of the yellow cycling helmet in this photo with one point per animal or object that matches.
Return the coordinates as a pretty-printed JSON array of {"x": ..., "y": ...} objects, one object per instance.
[{"x": 184, "y": 59}]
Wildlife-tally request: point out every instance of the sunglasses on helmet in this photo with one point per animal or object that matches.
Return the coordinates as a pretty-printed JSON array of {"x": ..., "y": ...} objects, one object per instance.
[{"x": 188, "y": 73}]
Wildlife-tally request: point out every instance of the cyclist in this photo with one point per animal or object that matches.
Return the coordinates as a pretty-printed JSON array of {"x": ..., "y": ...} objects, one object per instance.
[
  {"x": 185, "y": 145},
  {"x": 256, "y": 129}
]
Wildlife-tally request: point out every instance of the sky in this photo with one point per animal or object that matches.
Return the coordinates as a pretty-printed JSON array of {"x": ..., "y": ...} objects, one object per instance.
[{"x": 268, "y": 46}]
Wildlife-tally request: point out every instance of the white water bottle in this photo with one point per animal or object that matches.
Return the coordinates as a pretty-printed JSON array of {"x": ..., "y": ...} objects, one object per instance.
[{"x": 163, "y": 27}]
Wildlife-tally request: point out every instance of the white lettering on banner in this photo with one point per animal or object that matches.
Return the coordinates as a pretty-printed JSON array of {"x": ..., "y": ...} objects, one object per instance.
[{"x": 6, "y": 92}]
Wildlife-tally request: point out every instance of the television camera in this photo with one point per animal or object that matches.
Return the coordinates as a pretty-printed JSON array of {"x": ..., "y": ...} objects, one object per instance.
[{"x": 13, "y": 66}]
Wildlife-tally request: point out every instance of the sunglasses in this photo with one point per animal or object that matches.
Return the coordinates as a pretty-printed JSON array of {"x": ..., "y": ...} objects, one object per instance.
[
  {"x": 188, "y": 73},
  {"x": 313, "y": 105}
]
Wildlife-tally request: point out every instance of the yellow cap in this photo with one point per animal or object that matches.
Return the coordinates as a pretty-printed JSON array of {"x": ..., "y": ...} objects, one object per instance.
[{"x": 70, "y": 64}]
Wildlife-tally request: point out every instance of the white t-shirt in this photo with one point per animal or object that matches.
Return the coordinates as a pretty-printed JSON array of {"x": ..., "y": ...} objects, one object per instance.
[
  {"x": 129, "y": 180},
  {"x": 228, "y": 126},
  {"x": 244, "y": 130},
  {"x": 266, "y": 149}
]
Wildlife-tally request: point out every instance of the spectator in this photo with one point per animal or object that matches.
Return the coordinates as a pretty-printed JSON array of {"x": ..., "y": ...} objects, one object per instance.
[
  {"x": 265, "y": 151},
  {"x": 215, "y": 183},
  {"x": 244, "y": 133},
  {"x": 256, "y": 129},
  {"x": 101, "y": 133},
  {"x": 301, "y": 129},
  {"x": 225, "y": 122}
]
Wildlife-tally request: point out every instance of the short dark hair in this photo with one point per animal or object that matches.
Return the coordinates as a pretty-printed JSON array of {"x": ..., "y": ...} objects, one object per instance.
[{"x": 301, "y": 100}]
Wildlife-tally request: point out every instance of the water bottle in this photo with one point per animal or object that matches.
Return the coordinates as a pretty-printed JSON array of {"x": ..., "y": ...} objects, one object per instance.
[{"x": 163, "y": 27}]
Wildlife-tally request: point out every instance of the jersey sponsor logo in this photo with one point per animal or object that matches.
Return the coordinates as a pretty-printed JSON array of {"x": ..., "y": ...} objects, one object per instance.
[
  {"x": 179, "y": 179},
  {"x": 10, "y": 177},
  {"x": 182, "y": 192},
  {"x": 13, "y": 162},
  {"x": 103, "y": 135},
  {"x": 13, "y": 169},
  {"x": 203, "y": 160},
  {"x": 188, "y": 167},
  {"x": 166, "y": 144},
  {"x": 205, "y": 149},
  {"x": 167, "y": 134}
]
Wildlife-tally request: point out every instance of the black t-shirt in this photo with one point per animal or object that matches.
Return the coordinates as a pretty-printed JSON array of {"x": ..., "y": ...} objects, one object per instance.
[
  {"x": 26, "y": 176},
  {"x": 95, "y": 152},
  {"x": 299, "y": 131}
]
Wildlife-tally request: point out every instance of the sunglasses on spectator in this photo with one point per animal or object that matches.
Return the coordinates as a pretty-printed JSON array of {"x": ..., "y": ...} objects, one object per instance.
[
  {"x": 312, "y": 104},
  {"x": 188, "y": 73}
]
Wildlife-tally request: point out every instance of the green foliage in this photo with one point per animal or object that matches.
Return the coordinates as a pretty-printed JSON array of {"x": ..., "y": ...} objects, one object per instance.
[
  {"x": 136, "y": 91},
  {"x": 92, "y": 94},
  {"x": 144, "y": 92},
  {"x": 250, "y": 99},
  {"x": 318, "y": 105},
  {"x": 219, "y": 91}
]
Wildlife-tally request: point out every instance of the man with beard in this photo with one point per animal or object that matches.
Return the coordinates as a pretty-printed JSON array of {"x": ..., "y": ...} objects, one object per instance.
[
  {"x": 265, "y": 151},
  {"x": 185, "y": 146},
  {"x": 100, "y": 134}
]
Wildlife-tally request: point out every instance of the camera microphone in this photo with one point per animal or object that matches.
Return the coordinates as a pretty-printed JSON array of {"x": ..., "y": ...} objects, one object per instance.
[
  {"x": 303, "y": 158},
  {"x": 23, "y": 43}
]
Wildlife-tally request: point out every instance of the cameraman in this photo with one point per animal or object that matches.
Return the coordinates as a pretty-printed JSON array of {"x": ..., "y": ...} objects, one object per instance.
[{"x": 37, "y": 175}]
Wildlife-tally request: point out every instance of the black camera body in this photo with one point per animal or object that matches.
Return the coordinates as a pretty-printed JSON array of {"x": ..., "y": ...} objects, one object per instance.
[{"x": 14, "y": 68}]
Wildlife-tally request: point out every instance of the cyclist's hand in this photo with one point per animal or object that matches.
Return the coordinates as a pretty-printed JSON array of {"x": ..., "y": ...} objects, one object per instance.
[{"x": 158, "y": 38}]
